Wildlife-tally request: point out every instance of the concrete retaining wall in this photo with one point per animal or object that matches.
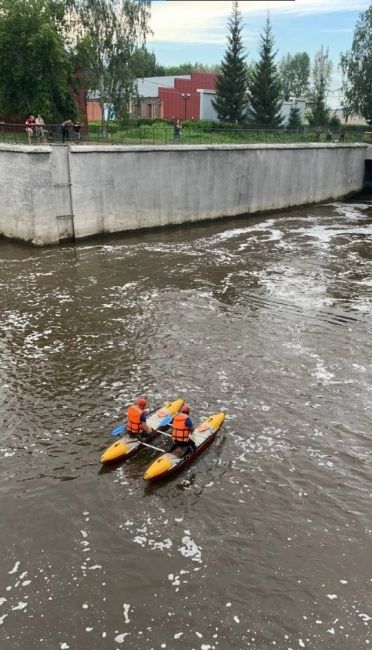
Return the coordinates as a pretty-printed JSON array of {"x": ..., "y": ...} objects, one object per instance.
[{"x": 53, "y": 193}]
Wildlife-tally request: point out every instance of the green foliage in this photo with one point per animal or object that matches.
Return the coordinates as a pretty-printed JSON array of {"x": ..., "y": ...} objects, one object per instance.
[
  {"x": 357, "y": 70},
  {"x": 334, "y": 123},
  {"x": 230, "y": 102},
  {"x": 187, "y": 68},
  {"x": 294, "y": 75},
  {"x": 36, "y": 71},
  {"x": 106, "y": 35},
  {"x": 294, "y": 120},
  {"x": 321, "y": 78},
  {"x": 144, "y": 64},
  {"x": 264, "y": 86}
]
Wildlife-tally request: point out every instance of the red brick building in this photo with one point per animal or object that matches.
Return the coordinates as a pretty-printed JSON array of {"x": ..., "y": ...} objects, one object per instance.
[
  {"x": 183, "y": 100},
  {"x": 179, "y": 97}
]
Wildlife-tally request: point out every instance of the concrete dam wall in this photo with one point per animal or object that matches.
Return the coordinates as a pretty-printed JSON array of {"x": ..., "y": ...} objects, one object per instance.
[{"x": 54, "y": 193}]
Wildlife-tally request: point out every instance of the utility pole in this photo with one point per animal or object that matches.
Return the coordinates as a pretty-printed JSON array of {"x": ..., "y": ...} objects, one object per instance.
[{"x": 185, "y": 96}]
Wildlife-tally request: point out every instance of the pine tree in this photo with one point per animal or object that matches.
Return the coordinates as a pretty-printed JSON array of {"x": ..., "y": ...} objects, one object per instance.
[
  {"x": 264, "y": 86},
  {"x": 321, "y": 78},
  {"x": 294, "y": 120},
  {"x": 230, "y": 103}
]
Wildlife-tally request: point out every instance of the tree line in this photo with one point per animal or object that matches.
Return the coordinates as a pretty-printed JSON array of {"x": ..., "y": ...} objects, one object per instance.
[
  {"x": 254, "y": 93},
  {"x": 50, "y": 50}
]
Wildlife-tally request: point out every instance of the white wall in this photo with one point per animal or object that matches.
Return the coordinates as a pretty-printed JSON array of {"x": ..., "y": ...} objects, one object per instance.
[
  {"x": 207, "y": 110},
  {"x": 126, "y": 188},
  {"x": 52, "y": 193},
  {"x": 286, "y": 109}
]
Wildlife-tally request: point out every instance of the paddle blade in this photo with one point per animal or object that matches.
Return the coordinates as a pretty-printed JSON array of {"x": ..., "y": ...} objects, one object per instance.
[
  {"x": 166, "y": 421},
  {"x": 118, "y": 430}
]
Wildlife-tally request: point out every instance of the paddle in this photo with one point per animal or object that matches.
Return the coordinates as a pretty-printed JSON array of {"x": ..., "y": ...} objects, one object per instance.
[
  {"x": 120, "y": 428},
  {"x": 146, "y": 444}
]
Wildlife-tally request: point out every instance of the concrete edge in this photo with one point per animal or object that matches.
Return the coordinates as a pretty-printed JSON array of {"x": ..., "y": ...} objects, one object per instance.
[
  {"x": 24, "y": 148},
  {"x": 119, "y": 148}
]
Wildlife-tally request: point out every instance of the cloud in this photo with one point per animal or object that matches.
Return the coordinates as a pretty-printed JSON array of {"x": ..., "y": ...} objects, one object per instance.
[{"x": 204, "y": 21}]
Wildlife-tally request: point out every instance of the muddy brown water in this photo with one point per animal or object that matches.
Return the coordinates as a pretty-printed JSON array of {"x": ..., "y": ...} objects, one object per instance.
[{"x": 266, "y": 540}]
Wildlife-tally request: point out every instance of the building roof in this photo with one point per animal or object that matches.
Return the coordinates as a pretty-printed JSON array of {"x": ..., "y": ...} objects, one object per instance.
[{"x": 149, "y": 86}]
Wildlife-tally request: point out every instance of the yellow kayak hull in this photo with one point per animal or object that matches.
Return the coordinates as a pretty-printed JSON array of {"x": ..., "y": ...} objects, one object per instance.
[{"x": 127, "y": 446}]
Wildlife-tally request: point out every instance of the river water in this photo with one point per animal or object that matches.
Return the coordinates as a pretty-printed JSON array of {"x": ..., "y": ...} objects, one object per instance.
[{"x": 266, "y": 541}]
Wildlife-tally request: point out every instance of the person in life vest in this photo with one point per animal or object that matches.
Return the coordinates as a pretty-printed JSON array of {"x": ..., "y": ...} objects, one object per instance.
[
  {"x": 182, "y": 427},
  {"x": 136, "y": 418}
]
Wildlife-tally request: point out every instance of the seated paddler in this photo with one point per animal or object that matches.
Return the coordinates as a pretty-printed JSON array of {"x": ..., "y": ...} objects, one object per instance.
[
  {"x": 136, "y": 419},
  {"x": 182, "y": 428}
]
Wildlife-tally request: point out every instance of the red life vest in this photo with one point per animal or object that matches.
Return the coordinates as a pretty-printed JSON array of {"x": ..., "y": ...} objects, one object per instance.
[
  {"x": 180, "y": 433},
  {"x": 134, "y": 419}
]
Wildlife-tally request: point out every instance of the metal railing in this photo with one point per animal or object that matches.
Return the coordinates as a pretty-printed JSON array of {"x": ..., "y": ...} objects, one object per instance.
[{"x": 163, "y": 134}]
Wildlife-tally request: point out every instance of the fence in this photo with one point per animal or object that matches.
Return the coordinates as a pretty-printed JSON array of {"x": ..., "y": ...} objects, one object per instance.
[{"x": 164, "y": 134}]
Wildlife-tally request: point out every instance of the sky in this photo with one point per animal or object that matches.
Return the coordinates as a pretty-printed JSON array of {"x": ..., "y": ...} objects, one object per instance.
[{"x": 195, "y": 30}]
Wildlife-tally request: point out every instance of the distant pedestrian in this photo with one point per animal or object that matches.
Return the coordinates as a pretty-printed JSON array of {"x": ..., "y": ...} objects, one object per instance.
[
  {"x": 329, "y": 135},
  {"x": 39, "y": 129},
  {"x": 318, "y": 132},
  {"x": 342, "y": 135},
  {"x": 77, "y": 131},
  {"x": 30, "y": 123},
  {"x": 66, "y": 129},
  {"x": 177, "y": 130}
]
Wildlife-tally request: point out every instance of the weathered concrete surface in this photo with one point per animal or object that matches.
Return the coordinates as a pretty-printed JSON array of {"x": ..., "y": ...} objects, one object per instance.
[
  {"x": 52, "y": 193},
  {"x": 139, "y": 187},
  {"x": 25, "y": 193},
  {"x": 369, "y": 153}
]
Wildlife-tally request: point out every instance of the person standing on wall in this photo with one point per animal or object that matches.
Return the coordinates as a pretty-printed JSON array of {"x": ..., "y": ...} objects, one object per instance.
[
  {"x": 65, "y": 129},
  {"x": 29, "y": 124},
  {"x": 39, "y": 129},
  {"x": 177, "y": 130},
  {"x": 77, "y": 130}
]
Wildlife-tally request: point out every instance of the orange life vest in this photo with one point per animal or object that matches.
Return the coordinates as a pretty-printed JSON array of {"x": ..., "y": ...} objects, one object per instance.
[
  {"x": 134, "y": 422},
  {"x": 180, "y": 432}
]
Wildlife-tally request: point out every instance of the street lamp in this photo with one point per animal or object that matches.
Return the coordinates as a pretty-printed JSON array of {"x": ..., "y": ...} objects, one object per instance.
[{"x": 185, "y": 96}]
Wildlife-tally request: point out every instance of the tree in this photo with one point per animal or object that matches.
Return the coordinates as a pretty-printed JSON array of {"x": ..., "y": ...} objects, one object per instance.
[
  {"x": 294, "y": 74},
  {"x": 187, "y": 68},
  {"x": 36, "y": 70},
  {"x": 356, "y": 66},
  {"x": 294, "y": 120},
  {"x": 264, "y": 86},
  {"x": 144, "y": 64},
  {"x": 321, "y": 78},
  {"x": 230, "y": 102},
  {"x": 105, "y": 34}
]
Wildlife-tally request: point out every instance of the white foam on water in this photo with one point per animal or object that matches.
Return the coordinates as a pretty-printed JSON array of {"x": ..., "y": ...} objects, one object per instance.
[
  {"x": 331, "y": 596},
  {"x": 64, "y": 646},
  {"x": 120, "y": 637},
  {"x": 20, "y": 605},
  {"x": 321, "y": 374},
  {"x": 190, "y": 548},
  {"x": 126, "y": 608},
  {"x": 15, "y": 568},
  {"x": 2, "y": 618}
]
